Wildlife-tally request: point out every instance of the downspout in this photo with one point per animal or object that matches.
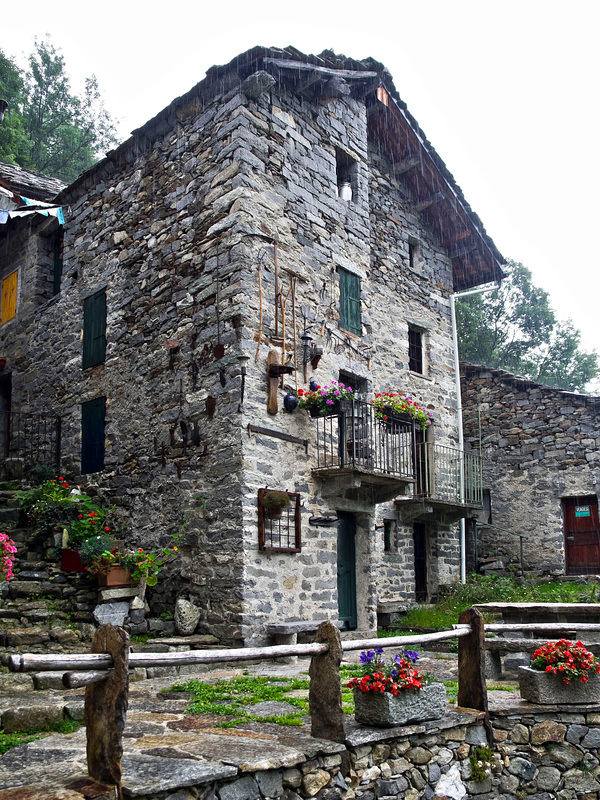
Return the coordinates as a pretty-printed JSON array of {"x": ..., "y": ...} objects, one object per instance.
[{"x": 461, "y": 439}]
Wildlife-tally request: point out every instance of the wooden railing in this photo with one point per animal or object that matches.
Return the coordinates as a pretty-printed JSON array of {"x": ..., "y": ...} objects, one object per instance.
[{"x": 105, "y": 672}]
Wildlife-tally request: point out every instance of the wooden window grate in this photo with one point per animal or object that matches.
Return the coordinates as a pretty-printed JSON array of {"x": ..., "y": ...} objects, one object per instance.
[{"x": 279, "y": 533}]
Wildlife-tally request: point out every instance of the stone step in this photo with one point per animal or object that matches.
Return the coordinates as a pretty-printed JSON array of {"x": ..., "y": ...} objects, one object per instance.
[{"x": 9, "y": 515}]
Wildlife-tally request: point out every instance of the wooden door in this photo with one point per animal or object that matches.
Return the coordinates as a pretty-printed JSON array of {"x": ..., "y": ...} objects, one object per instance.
[
  {"x": 346, "y": 571},
  {"x": 582, "y": 535},
  {"x": 420, "y": 554}
]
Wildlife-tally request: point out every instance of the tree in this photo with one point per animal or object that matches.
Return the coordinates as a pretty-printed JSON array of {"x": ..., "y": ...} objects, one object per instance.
[
  {"x": 515, "y": 328},
  {"x": 67, "y": 132},
  {"x": 14, "y": 143}
]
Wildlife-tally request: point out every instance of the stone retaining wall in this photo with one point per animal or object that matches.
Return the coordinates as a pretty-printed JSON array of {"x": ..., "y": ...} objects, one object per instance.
[{"x": 544, "y": 753}]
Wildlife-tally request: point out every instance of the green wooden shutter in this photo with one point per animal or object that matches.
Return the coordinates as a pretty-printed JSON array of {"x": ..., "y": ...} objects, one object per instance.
[
  {"x": 93, "y": 414},
  {"x": 94, "y": 329},
  {"x": 350, "y": 301}
]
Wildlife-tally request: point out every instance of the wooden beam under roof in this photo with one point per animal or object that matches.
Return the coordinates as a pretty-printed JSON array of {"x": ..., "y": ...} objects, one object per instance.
[
  {"x": 427, "y": 202},
  {"x": 408, "y": 163}
]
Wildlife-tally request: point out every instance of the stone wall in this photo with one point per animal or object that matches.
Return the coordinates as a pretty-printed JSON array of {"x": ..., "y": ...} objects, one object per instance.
[
  {"x": 540, "y": 754},
  {"x": 177, "y": 226},
  {"x": 539, "y": 445}
]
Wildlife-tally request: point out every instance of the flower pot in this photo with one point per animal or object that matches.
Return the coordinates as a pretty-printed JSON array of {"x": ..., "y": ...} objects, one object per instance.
[
  {"x": 117, "y": 576},
  {"x": 382, "y": 709},
  {"x": 546, "y": 688},
  {"x": 337, "y": 407},
  {"x": 70, "y": 560}
]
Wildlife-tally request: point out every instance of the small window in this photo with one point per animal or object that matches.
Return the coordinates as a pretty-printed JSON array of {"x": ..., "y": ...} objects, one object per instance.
[
  {"x": 415, "y": 350},
  {"x": 350, "y": 301},
  {"x": 279, "y": 526},
  {"x": 57, "y": 261},
  {"x": 346, "y": 169},
  {"x": 9, "y": 297},
  {"x": 94, "y": 329},
  {"x": 412, "y": 255},
  {"x": 359, "y": 384},
  {"x": 389, "y": 535},
  {"x": 93, "y": 415}
]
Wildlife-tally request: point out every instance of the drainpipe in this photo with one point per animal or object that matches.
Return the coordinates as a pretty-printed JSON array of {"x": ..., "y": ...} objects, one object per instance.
[{"x": 461, "y": 439}]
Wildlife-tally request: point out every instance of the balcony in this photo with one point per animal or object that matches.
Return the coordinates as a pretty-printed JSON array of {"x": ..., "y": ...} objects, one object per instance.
[{"x": 370, "y": 460}]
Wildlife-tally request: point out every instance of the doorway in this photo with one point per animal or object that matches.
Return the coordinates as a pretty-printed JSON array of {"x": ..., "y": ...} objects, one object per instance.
[
  {"x": 420, "y": 559},
  {"x": 582, "y": 535},
  {"x": 5, "y": 407},
  {"x": 346, "y": 571}
]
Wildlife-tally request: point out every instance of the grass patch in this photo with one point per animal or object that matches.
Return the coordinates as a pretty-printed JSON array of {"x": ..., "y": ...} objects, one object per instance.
[
  {"x": 231, "y": 698},
  {"x": 491, "y": 588},
  {"x": 8, "y": 740}
]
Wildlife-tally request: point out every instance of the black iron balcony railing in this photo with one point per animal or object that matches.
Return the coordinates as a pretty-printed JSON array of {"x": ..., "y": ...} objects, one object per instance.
[
  {"x": 32, "y": 438},
  {"x": 358, "y": 438}
]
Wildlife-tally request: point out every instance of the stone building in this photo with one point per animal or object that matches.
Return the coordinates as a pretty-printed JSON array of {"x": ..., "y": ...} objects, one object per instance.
[
  {"x": 541, "y": 457},
  {"x": 285, "y": 220}
]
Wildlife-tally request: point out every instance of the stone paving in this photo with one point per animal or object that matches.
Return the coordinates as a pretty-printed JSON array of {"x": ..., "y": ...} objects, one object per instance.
[{"x": 165, "y": 748}]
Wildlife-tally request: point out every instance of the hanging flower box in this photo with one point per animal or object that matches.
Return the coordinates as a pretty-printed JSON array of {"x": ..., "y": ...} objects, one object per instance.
[
  {"x": 383, "y": 709},
  {"x": 331, "y": 410},
  {"x": 70, "y": 560}
]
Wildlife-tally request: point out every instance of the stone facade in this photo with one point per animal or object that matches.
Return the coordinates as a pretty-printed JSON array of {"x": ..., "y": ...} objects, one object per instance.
[
  {"x": 541, "y": 452},
  {"x": 218, "y": 231}
]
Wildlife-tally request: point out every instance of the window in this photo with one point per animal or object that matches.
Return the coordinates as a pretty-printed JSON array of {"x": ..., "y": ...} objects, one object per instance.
[
  {"x": 57, "y": 260},
  {"x": 279, "y": 527},
  {"x": 346, "y": 170},
  {"x": 389, "y": 535},
  {"x": 9, "y": 297},
  {"x": 349, "y": 301},
  {"x": 93, "y": 414},
  {"x": 94, "y": 329},
  {"x": 415, "y": 350}
]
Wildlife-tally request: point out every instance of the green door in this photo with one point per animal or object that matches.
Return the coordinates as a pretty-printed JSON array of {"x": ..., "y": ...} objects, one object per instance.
[{"x": 346, "y": 571}]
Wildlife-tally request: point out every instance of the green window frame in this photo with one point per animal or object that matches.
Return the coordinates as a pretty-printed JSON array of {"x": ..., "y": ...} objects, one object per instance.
[
  {"x": 93, "y": 417},
  {"x": 350, "y": 301},
  {"x": 94, "y": 329}
]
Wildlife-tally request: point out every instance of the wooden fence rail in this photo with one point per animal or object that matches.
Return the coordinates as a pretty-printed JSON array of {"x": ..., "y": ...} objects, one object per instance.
[{"x": 105, "y": 674}]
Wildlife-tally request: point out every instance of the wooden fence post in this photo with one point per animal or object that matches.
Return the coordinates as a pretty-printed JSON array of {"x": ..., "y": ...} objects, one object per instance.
[
  {"x": 325, "y": 693},
  {"x": 472, "y": 687},
  {"x": 106, "y": 709}
]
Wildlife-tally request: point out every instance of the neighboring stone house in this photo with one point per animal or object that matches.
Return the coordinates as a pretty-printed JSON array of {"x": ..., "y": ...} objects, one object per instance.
[
  {"x": 285, "y": 196},
  {"x": 541, "y": 457}
]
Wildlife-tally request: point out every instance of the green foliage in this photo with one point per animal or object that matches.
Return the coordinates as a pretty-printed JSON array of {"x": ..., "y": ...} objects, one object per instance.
[
  {"x": 515, "y": 328},
  {"x": 232, "y": 697},
  {"x": 47, "y": 127},
  {"x": 53, "y": 506},
  {"x": 455, "y": 597},
  {"x": 8, "y": 740},
  {"x": 482, "y": 759},
  {"x": 94, "y": 547}
]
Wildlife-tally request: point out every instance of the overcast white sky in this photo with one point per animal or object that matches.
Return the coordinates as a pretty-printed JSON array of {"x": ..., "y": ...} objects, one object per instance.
[{"x": 506, "y": 90}]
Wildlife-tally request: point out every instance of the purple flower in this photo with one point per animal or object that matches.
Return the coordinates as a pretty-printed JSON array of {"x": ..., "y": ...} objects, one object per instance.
[
  {"x": 367, "y": 656},
  {"x": 329, "y": 402},
  {"x": 379, "y": 651},
  {"x": 337, "y": 391},
  {"x": 412, "y": 655}
]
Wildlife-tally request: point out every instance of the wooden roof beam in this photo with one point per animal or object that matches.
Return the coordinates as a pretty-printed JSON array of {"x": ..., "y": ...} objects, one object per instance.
[
  {"x": 427, "y": 202},
  {"x": 408, "y": 163}
]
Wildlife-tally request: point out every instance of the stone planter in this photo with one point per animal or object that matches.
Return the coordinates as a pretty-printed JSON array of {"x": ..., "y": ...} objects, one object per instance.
[
  {"x": 545, "y": 688},
  {"x": 382, "y": 710},
  {"x": 70, "y": 560},
  {"x": 117, "y": 576}
]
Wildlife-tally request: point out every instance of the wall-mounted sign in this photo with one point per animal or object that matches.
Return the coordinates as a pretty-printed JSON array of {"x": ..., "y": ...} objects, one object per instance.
[{"x": 582, "y": 511}]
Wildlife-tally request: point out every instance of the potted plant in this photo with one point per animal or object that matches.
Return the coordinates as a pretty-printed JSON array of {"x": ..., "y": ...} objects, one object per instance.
[
  {"x": 274, "y": 502},
  {"x": 325, "y": 401},
  {"x": 561, "y": 672},
  {"x": 394, "y": 693},
  {"x": 388, "y": 405}
]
